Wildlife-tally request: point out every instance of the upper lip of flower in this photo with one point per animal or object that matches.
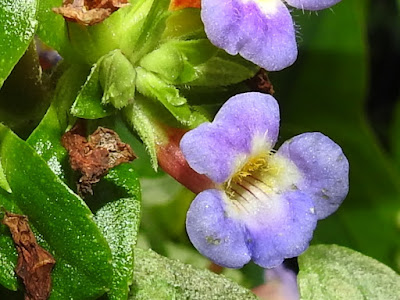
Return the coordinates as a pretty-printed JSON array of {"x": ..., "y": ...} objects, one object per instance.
[
  {"x": 266, "y": 204},
  {"x": 260, "y": 31}
]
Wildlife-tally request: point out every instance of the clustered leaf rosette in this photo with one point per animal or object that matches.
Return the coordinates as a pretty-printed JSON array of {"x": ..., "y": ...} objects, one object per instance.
[
  {"x": 266, "y": 203},
  {"x": 261, "y": 31}
]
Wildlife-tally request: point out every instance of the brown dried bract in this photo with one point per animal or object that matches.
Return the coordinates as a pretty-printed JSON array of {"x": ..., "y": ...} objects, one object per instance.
[
  {"x": 94, "y": 157},
  {"x": 261, "y": 83},
  {"x": 88, "y": 12},
  {"x": 34, "y": 263}
]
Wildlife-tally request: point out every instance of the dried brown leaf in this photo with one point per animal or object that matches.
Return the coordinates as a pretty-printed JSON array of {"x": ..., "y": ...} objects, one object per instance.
[
  {"x": 34, "y": 263},
  {"x": 89, "y": 12},
  {"x": 94, "y": 157},
  {"x": 261, "y": 83}
]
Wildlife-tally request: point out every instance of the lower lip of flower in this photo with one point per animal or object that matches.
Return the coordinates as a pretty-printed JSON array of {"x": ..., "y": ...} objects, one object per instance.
[{"x": 259, "y": 183}]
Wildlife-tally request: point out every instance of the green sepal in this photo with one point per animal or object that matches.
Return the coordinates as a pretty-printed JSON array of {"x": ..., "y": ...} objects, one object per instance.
[
  {"x": 158, "y": 277},
  {"x": 152, "y": 30},
  {"x": 117, "y": 79},
  {"x": 61, "y": 221},
  {"x": 334, "y": 272},
  {"x": 139, "y": 115},
  {"x": 119, "y": 220},
  {"x": 126, "y": 29},
  {"x": 150, "y": 85},
  {"x": 184, "y": 24},
  {"x": 88, "y": 102},
  {"x": 18, "y": 25},
  {"x": 197, "y": 62},
  {"x": 176, "y": 61},
  {"x": 224, "y": 69}
]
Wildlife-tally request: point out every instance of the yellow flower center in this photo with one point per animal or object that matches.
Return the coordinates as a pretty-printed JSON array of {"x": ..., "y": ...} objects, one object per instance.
[{"x": 260, "y": 180}]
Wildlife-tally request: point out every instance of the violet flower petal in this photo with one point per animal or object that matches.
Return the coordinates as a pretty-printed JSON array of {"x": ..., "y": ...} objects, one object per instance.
[
  {"x": 218, "y": 149},
  {"x": 216, "y": 236},
  {"x": 282, "y": 230},
  {"x": 312, "y": 4},
  {"x": 262, "y": 32},
  {"x": 325, "y": 170}
]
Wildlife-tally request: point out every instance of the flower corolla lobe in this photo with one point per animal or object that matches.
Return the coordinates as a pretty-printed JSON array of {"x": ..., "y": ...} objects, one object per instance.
[
  {"x": 267, "y": 203},
  {"x": 261, "y": 31}
]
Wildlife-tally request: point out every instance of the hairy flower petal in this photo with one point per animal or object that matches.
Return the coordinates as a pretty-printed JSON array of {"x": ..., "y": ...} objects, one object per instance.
[
  {"x": 312, "y": 4},
  {"x": 213, "y": 234},
  {"x": 325, "y": 170},
  {"x": 217, "y": 149},
  {"x": 260, "y": 31},
  {"x": 283, "y": 230}
]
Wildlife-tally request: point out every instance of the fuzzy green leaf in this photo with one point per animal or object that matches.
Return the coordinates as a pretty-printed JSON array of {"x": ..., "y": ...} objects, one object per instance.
[
  {"x": 18, "y": 24},
  {"x": 334, "y": 272},
  {"x": 155, "y": 23},
  {"x": 46, "y": 138},
  {"x": 117, "y": 78},
  {"x": 119, "y": 220},
  {"x": 176, "y": 61},
  {"x": 150, "y": 85},
  {"x": 197, "y": 62},
  {"x": 61, "y": 220},
  {"x": 159, "y": 278},
  {"x": 88, "y": 102},
  {"x": 139, "y": 116},
  {"x": 224, "y": 69}
]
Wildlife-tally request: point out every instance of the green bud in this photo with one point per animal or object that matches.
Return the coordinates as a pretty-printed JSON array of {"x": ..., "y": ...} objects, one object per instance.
[
  {"x": 88, "y": 102},
  {"x": 153, "y": 87},
  {"x": 177, "y": 61},
  {"x": 117, "y": 78}
]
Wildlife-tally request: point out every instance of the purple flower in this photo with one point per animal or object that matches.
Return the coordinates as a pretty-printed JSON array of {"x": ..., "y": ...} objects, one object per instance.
[
  {"x": 261, "y": 31},
  {"x": 267, "y": 203}
]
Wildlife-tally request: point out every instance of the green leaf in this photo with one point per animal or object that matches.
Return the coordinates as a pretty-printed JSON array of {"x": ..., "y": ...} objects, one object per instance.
[
  {"x": 24, "y": 95},
  {"x": 8, "y": 255},
  {"x": 62, "y": 222},
  {"x": 134, "y": 29},
  {"x": 87, "y": 44},
  {"x": 184, "y": 24},
  {"x": 88, "y": 102},
  {"x": 150, "y": 85},
  {"x": 197, "y": 62},
  {"x": 3, "y": 180},
  {"x": 155, "y": 25},
  {"x": 139, "y": 117},
  {"x": 175, "y": 61},
  {"x": 117, "y": 78},
  {"x": 119, "y": 221},
  {"x": 157, "y": 277},
  {"x": 53, "y": 29},
  {"x": 333, "y": 272},
  {"x": 46, "y": 138},
  {"x": 18, "y": 24},
  {"x": 224, "y": 69}
]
